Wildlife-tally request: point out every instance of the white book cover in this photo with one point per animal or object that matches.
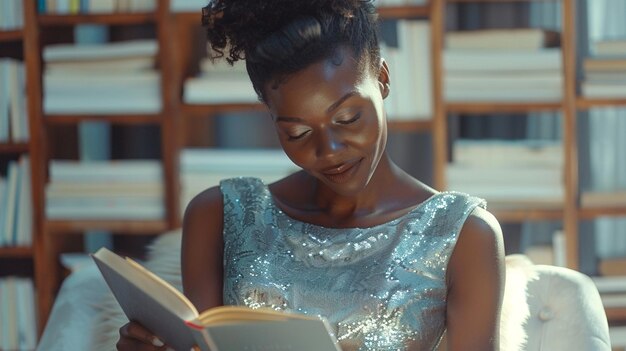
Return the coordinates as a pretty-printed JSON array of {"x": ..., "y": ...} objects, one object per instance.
[
  {"x": 602, "y": 77},
  {"x": 17, "y": 101},
  {"x": 512, "y": 95},
  {"x": 187, "y": 5},
  {"x": 518, "y": 39},
  {"x": 609, "y": 48},
  {"x": 155, "y": 212},
  {"x": 517, "y": 176},
  {"x": 24, "y": 225},
  {"x": 219, "y": 90},
  {"x": 406, "y": 76},
  {"x": 3, "y": 209},
  {"x": 423, "y": 66},
  {"x": 125, "y": 65},
  {"x": 27, "y": 332},
  {"x": 101, "y": 6},
  {"x": 606, "y": 90},
  {"x": 10, "y": 297},
  {"x": 504, "y": 153},
  {"x": 498, "y": 60},
  {"x": 513, "y": 80},
  {"x": 144, "y": 5},
  {"x": 193, "y": 160},
  {"x": 97, "y": 171},
  {"x": 5, "y": 97},
  {"x": 112, "y": 50},
  {"x": 13, "y": 175}
]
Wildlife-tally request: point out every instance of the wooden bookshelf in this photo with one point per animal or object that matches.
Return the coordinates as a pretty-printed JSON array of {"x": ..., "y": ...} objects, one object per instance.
[
  {"x": 16, "y": 252},
  {"x": 116, "y": 226},
  {"x": 11, "y": 35},
  {"x": 49, "y": 20},
  {"x": 587, "y": 103},
  {"x": 471, "y": 108},
  {"x": 114, "y": 119},
  {"x": 567, "y": 106},
  {"x": 404, "y": 12},
  {"x": 13, "y": 148},
  {"x": 410, "y": 125}
]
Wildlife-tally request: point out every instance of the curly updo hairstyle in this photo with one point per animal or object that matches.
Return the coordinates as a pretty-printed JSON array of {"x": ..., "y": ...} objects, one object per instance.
[{"x": 280, "y": 37}]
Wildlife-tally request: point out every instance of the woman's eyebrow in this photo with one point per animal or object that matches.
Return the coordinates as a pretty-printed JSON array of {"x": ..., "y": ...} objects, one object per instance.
[{"x": 330, "y": 108}]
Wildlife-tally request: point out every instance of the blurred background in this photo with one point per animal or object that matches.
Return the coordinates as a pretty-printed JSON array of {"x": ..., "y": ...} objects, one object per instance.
[{"x": 112, "y": 118}]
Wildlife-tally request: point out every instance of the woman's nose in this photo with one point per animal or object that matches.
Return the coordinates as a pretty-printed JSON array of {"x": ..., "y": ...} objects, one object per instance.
[{"x": 328, "y": 143}]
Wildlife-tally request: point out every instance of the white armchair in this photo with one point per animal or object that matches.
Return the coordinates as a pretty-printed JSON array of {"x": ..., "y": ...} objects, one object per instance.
[{"x": 562, "y": 309}]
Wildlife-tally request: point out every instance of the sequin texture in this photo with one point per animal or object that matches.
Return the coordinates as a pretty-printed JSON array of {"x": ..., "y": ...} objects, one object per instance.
[{"x": 381, "y": 288}]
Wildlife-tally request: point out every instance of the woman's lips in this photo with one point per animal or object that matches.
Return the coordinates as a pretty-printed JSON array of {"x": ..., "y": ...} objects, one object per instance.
[{"x": 343, "y": 172}]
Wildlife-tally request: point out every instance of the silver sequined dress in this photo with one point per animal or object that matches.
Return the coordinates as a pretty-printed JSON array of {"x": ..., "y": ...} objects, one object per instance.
[{"x": 381, "y": 288}]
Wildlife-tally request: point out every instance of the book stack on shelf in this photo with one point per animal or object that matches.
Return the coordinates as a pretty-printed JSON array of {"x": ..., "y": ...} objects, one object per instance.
[
  {"x": 204, "y": 168},
  {"x": 102, "y": 190},
  {"x": 390, "y": 3},
  {"x": 13, "y": 113},
  {"x": 121, "y": 76},
  {"x": 11, "y": 15},
  {"x": 503, "y": 65},
  {"x": 18, "y": 321},
  {"x": 16, "y": 205},
  {"x": 94, "y": 6},
  {"x": 409, "y": 59},
  {"x": 219, "y": 83},
  {"x": 605, "y": 72},
  {"x": 489, "y": 168}
]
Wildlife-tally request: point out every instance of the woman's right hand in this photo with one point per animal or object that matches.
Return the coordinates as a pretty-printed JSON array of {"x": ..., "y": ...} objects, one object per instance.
[{"x": 133, "y": 336}]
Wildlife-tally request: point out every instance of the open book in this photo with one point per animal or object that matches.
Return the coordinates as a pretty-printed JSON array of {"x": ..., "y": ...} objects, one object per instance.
[{"x": 165, "y": 311}]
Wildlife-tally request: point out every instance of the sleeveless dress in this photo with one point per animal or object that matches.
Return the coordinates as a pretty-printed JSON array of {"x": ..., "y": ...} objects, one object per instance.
[{"x": 380, "y": 288}]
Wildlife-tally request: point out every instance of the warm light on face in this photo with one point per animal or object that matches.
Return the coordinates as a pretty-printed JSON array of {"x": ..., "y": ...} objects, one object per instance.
[{"x": 330, "y": 121}]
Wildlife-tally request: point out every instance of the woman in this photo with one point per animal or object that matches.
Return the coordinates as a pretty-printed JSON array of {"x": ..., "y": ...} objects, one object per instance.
[{"x": 390, "y": 262}]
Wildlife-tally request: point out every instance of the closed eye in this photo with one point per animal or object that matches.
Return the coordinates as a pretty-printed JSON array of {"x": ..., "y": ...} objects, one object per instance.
[
  {"x": 296, "y": 137},
  {"x": 351, "y": 120}
]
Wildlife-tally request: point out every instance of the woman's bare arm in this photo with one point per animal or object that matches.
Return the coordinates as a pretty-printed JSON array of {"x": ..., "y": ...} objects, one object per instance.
[
  {"x": 476, "y": 285},
  {"x": 202, "y": 250}
]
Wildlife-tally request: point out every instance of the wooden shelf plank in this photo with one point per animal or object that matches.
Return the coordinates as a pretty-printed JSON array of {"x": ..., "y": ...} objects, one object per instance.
[
  {"x": 410, "y": 125},
  {"x": 615, "y": 314},
  {"x": 11, "y": 35},
  {"x": 500, "y": 107},
  {"x": 209, "y": 109},
  {"x": 13, "y": 148},
  {"x": 586, "y": 103},
  {"x": 478, "y": 1},
  {"x": 521, "y": 215},
  {"x": 608, "y": 211},
  {"x": 408, "y": 11},
  {"x": 104, "y": 18},
  {"x": 386, "y": 12},
  {"x": 121, "y": 226},
  {"x": 16, "y": 252},
  {"x": 116, "y": 119}
]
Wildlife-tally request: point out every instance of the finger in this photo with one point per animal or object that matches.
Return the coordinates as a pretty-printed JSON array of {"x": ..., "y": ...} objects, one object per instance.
[{"x": 137, "y": 331}]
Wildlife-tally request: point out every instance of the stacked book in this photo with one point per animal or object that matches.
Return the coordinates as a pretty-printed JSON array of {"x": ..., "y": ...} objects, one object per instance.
[
  {"x": 94, "y": 6},
  {"x": 612, "y": 291},
  {"x": 509, "y": 174},
  {"x": 121, "y": 77},
  {"x": 187, "y": 5},
  {"x": 16, "y": 210},
  {"x": 204, "y": 168},
  {"x": 517, "y": 65},
  {"x": 391, "y": 3},
  {"x": 18, "y": 324},
  {"x": 409, "y": 61},
  {"x": 605, "y": 72},
  {"x": 13, "y": 114},
  {"x": 11, "y": 15},
  {"x": 121, "y": 189},
  {"x": 220, "y": 83}
]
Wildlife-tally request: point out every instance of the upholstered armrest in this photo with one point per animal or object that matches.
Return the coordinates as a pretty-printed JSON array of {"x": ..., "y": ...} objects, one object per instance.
[{"x": 566, "y": 312}]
